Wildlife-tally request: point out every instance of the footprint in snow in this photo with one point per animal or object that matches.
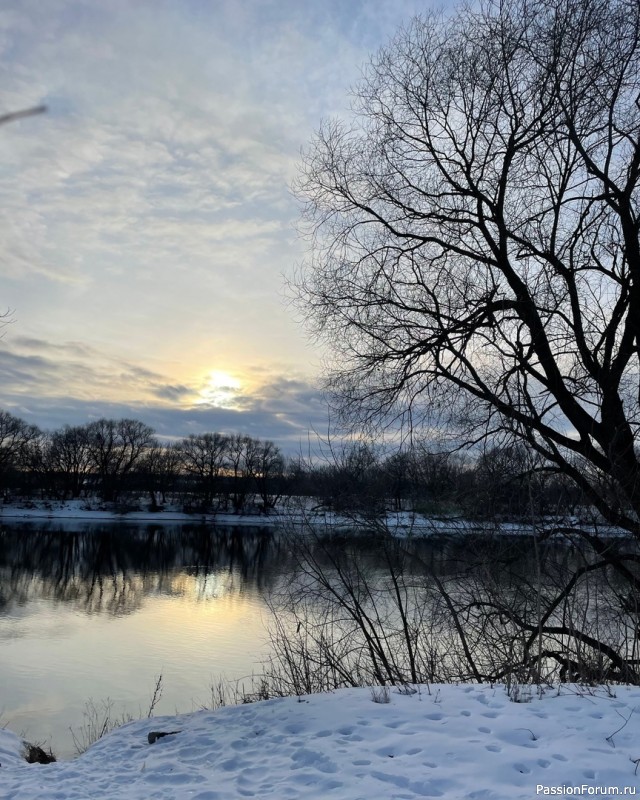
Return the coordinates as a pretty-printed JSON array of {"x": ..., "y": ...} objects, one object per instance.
[
  {"x": 330, "y": 785},
  {"x": 233, "y": 764},
  {"x": 239, "y": 744},
  {"x": 303, "y": 757},
  {"x": 295, "y": 727}
]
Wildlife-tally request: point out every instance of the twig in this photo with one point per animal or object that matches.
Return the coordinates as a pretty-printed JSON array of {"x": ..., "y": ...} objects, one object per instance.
[
  {"x": 27, "y": 112},
  {"x": 155, "y": 697},
  {"x": 610, "y": 738}
]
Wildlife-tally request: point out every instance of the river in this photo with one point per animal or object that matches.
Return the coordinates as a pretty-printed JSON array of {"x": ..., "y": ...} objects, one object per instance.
[
  {"x": 96, "y": 612},
  {"x": 99, "y": 612}
]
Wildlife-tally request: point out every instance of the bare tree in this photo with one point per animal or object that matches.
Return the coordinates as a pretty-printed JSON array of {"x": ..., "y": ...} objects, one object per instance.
[
  {"x": 159, "y": 469},
  {"x": 476, "y": 250},
  {"x": 241, "y": 457},
  {"x": 203, "y": 455},
  {"x": 115, "y": 447},
  {"x": 437, "y": 477},
  {"x": 476, "y": 233},
  {"x": 68, "y": 456},
  {"x": 266, "y": 468},
  {"x": 351, "y": 478},
  {"x": 15, "y": 436}
]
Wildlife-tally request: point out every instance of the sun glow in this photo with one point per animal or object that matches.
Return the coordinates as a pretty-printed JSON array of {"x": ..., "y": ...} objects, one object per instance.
[{"x": 220, "y": 389}]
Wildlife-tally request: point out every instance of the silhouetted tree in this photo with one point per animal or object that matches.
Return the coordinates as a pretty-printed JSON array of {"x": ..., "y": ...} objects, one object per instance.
[
  {"x": 15, "y": 436},
  {"x": 115, "y": 446},
  {"x": 477, "y": 237},
  {"x": 241, "y": 456},
  {"x": 68, "y": 456},
  {"x": 266, "y": 468},
  {"x": 203, "y": 456},
  {"x": 476, "y": 255},
  {"x": 159, "y": 470}
]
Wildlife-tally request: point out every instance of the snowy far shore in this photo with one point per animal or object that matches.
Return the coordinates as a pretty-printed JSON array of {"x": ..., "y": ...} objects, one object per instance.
[
  {"x": 465, "y": 741},
  {"x": 401, "y": 523},
  {"x": 94, "y": 511}
]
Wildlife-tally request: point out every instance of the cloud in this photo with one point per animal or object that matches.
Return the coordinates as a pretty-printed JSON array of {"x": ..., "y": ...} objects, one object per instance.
[
  {"x": 148, "y": 213},
  {"x": 288, "y": 426},
  {"x": 70, "y": 384},
  {"x": 32, "y": 365},
  {"x": 173, "y": 393}
]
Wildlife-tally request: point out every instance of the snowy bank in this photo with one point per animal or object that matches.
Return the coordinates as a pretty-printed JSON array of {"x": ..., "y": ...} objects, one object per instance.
[
  {"x": 83, "y": 511},
  {"x": 457, "y": 742},
  {"x": 401, "y": 524}
]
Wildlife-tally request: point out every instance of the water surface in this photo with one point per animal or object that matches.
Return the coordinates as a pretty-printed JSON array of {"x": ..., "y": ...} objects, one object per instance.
[{"x": 101, "y": 611}]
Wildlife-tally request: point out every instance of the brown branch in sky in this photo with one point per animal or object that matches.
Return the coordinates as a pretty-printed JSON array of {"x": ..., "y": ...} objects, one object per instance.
[{"x": 27, "y": 112}]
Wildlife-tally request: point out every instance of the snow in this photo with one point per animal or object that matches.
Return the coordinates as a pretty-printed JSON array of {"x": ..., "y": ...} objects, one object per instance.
[
  {"x": 457, "y": 742},
  {"x": 403, "y": 523},
  {"x": 465, "y": 741},
  {"x": 92, "y": 511}
]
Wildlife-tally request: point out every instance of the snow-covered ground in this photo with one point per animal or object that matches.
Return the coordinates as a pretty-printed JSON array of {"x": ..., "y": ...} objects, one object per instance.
[
  {"x": 401, "y": 523},
  {"x": 455, "y": 742},
  {"x": 92, "y": 511}
]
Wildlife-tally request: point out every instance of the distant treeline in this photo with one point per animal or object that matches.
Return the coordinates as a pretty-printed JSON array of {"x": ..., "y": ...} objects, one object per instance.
[{"x": 121, "y": 461}]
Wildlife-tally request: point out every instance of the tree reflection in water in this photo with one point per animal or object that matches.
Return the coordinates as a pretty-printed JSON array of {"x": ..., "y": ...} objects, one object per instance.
[{"x": 109, "y": 569}]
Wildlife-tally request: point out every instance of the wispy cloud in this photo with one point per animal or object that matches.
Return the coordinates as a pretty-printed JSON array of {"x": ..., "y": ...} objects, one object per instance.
[
  {"x": 55, "y": 385},
  {"x": 148, "y": 213}
]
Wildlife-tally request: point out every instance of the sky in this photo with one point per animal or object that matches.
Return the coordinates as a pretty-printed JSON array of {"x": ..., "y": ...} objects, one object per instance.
[{"x": 147, "y": 220}]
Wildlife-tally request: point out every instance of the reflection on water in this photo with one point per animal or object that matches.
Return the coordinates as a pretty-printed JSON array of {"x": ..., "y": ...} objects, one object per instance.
[
  {"x": 98, "y": 612},
  {"x": 109, "y": 569}
]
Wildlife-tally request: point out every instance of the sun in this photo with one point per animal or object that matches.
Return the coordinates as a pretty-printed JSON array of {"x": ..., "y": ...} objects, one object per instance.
[{"x": 220, "y": 389}]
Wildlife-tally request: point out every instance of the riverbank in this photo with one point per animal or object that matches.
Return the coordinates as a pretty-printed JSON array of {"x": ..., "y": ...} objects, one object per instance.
[
  {"x": 465, "y": 741},
  {"x": 95, "y": 511},
  {"x": 291, "y": 514}
]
